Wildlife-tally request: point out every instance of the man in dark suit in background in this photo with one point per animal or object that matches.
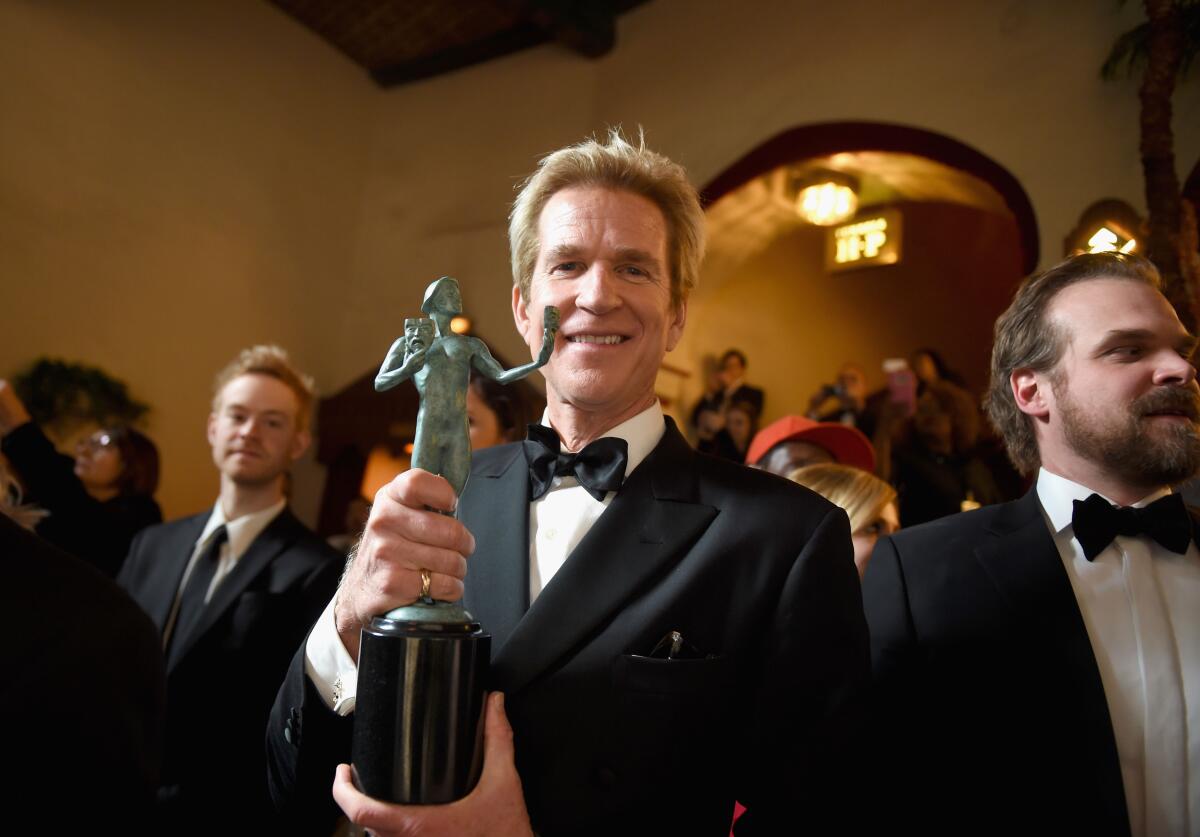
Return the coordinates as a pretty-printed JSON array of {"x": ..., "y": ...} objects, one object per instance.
[
  {"x": 731, "y": 387},
  {"x": 1037, "y": 663},
  {"x": 684, "y": 634},
  {"x": 232, "y": 591},
  {"x": 733, "y": 378}
]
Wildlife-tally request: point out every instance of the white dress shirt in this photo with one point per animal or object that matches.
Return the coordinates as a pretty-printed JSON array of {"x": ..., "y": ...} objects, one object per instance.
[
  {"x": 558, "y": 521},
  {"x": 1141, "y": 606},
  {"x": 564, "y": 514},
  {"x": 240, "y": 533}
]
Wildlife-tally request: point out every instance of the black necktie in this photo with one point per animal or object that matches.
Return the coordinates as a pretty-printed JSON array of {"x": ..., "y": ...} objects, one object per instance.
[
  {"x": 191, "y": 600},
  {"x": 599, "y": 467},
  {"x": 1097, "y": 522}
]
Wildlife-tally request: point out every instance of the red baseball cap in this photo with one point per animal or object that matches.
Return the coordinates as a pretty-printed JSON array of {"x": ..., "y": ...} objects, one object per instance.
[{"x": 847, "y": 444}]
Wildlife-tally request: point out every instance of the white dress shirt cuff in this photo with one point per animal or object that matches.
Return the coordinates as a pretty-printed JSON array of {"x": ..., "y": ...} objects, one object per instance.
[{"x": 329, "y": 665}]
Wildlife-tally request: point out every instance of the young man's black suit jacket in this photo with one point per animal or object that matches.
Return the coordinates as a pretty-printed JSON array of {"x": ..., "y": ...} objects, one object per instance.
[
  {"x": 222, "y": 674},
  {"x": 990, "y": 714},
  {"x": 757, "y": 575}
]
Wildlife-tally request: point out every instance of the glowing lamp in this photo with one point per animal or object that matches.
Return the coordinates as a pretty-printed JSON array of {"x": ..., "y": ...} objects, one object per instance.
[
  {"x": 826, "y": 198},
  {"x": 1106, "y": 241}
]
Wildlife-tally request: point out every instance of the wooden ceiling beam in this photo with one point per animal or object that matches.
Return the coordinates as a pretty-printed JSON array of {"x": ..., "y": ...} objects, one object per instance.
[
  {"x": 588, "y": 28},
  {"x": 456, "y": 58}
]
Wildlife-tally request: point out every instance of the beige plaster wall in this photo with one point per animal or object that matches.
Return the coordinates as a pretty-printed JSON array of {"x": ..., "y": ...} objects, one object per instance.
[
  {"x": 177, "y": 181},
  {"x": 180, "y": 179}
]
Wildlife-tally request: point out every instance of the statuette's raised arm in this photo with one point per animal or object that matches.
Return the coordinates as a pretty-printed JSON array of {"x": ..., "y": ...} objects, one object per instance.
[{"x": 486, "y": 364}]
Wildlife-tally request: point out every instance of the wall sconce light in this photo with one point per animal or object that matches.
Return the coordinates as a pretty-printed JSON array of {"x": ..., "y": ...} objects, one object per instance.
[
  {"x": 1107, "y": 226},
  {"x": 826, "y": 197},
  {"x": 460, "y": 324},
  {"x": 1106, "y": 240}
]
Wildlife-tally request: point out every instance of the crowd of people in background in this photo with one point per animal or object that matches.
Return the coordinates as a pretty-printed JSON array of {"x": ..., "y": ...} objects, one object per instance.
[
  {"x": 921, "y": 438},
  {"x": 922, "y": 434}
]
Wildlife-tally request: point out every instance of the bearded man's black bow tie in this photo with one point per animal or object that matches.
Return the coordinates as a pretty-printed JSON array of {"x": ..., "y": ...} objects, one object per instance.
[
  {"x": 599, "y": 467},
  {"x": 1097, "y": 522}
]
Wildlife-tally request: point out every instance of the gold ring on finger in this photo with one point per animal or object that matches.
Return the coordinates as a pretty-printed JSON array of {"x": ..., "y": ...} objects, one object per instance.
[{"x": 426, "y": 583}]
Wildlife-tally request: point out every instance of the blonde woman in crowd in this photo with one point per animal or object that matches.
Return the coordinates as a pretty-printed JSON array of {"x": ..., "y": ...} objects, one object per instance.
[{"x": 868, "y": 501}]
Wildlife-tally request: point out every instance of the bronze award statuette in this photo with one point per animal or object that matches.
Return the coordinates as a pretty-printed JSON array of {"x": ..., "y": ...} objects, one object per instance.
[{"x": 423, "y": 667}]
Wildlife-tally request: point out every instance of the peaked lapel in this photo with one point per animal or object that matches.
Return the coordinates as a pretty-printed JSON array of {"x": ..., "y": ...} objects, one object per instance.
[
  {"x": 278, "y": 536},
  {"x": 645, "y": 530},
  {"x": 495, "y": 509},
  {"x": 1021, "y": 559},
  {"x": 163, "y": 568},
  {"x": 1025, "y": 565}
]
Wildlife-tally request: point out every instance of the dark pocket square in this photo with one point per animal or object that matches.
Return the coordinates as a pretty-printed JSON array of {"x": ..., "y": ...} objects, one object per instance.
[{"x": 647, "y": 675}]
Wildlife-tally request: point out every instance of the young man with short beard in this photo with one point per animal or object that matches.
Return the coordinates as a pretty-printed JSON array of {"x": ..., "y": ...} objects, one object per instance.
[{"x": 1037, "y": 663}]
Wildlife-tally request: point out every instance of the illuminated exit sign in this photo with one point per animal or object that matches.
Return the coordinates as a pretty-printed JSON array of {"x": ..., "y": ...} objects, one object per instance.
[{"x": 870, "y": 240}]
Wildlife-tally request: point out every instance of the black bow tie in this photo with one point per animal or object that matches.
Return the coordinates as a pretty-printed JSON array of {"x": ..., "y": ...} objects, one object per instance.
[
  {"x": 599, "y": 467},
  {"x": 1097, "y": 522}
]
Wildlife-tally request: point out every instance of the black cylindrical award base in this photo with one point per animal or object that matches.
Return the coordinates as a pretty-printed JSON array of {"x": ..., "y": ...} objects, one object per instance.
[{"x": 418, "y": 717}]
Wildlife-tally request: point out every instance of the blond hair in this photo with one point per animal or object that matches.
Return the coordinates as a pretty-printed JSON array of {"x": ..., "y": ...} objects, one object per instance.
[
  {"x": 616, "y": 164},
  {"x": 1026, "y": 339},
  {"x": 273, "y": 362},
  {"x": 23, "y": 514},
  {"x": 860, "y": 493}
]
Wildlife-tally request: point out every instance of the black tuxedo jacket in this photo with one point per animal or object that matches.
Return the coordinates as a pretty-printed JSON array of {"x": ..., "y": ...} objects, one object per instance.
[
  {"x": 757, "y": 575},
  {"x": 81, "y": 692},
  {"x": 222, "y": 674},
  {"x": 990, "y": 714}
]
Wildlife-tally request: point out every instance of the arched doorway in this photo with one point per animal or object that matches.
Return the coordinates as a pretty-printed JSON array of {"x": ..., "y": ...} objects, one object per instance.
[
  {"x": 828, "y": 138},
  {"x": 767, "y": 287}
]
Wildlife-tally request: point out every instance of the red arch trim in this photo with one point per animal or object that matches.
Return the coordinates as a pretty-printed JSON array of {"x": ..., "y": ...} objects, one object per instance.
[{"x": 818, "y": 140}]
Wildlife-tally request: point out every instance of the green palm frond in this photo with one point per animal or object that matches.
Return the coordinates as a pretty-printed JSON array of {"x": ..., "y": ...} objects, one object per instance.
[
  {"x": 1127, "y": 58},
  {"x": 57, "y": 392}
]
